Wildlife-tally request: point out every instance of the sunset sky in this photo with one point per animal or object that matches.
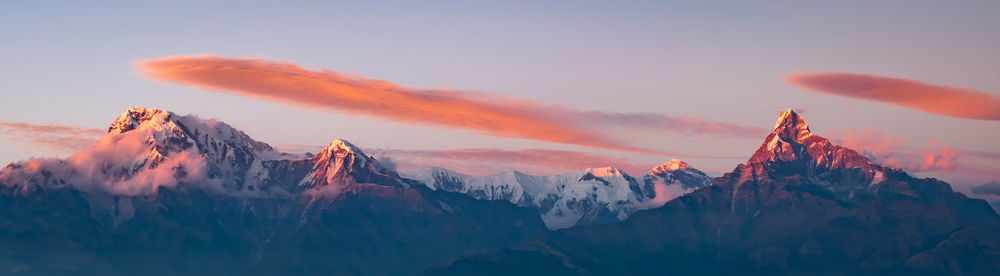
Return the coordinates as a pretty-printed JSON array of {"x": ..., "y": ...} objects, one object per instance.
[{"x": 912, "y": 83}]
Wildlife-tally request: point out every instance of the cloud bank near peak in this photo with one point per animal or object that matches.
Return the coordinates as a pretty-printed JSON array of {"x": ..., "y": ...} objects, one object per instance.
[
  {"x": 890, "y": 151},
  {"x": 479, "y": 112}
]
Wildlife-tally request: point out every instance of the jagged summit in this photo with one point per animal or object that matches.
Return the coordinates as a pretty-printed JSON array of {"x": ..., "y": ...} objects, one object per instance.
[
  {"x": 340, "y": 148},
  {"x": 166, "y": 128},
  {"x": 792, "y": 147},
  {"x": 669, "y": 166},
  {"x": 676, "y": 171},
  {"x": 342, "y": 163},
  {"x": 791, "y": 126},
  {"x": 790, "y": 140},
  {"x": 344, "y": 155},
  {"x": 133, "y": 117}
]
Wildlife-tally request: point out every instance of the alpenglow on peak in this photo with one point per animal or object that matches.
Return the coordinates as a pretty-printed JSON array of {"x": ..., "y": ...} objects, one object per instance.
[
  {"x": 669, "y": 166},
  {"x": 790, "y": 126}
]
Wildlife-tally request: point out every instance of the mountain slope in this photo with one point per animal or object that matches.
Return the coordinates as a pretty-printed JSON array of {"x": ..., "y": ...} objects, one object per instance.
[
  {"x": 799, "y": 205},
  {"x": 591, "y": 196},
  {"x": 169, "y": 194}
]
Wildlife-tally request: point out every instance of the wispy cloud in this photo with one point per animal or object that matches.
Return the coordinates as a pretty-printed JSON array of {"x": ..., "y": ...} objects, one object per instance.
[
  {"x": 481, "y": 112},
  {"x": 937, "y": 99},
  {"x": 57, "y": 139}
]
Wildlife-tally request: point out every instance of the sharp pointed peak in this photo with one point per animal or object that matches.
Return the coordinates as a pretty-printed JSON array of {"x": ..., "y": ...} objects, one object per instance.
[
  {"x": 791, "y": 127},
  {"x": 341, "y": 144},
  {"x": 791, "y": 141},
  {"x": 789, "y": 118},
  {"x": 669, "y": 166},
  {"x": 342, "y": 163},
  {"x": 340, "y": 148}
]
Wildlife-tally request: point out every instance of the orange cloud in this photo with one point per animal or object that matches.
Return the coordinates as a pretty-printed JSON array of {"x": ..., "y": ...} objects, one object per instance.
[
  {"x": 938, "y": 160},
  {"x": 52, "y": 138},
  {"x": 870, "y": 142},
  {"x": 942, "y": 100},
  {"x": 480, "y": 112}
]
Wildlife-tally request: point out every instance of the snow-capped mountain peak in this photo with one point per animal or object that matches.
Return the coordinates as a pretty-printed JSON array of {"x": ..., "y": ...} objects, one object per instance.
[
  {"x": 792, "y": 147},
  {"x": 343, "y": 151},
  {"x": 605, "y": 171},
  {"x": 135, "y": 116},
  {"x": 669, "y": 166},
  {"x": 790, "y": 126},
  {"x": 167, "y": 129},
  {"x": 790, "y": 140},
  {"x": 148, "y": 148},
  {"x": 342, "y": 163}
]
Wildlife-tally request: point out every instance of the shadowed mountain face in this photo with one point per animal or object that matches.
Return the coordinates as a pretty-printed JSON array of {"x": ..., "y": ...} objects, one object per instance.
[
  {"x": 167, "y": 194},
  {"x": 799, "y": 205}
]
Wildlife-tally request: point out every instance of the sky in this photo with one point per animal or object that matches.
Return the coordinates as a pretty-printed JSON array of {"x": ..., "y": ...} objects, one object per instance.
[{"x": 910, "y": 82}]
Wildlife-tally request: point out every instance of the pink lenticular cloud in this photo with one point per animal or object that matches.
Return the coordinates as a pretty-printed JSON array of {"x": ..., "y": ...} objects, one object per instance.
[
  {"x": 51, "y": 138},
  {"x": 480, "y": 112},
  {"x": 937, "y": 99}
]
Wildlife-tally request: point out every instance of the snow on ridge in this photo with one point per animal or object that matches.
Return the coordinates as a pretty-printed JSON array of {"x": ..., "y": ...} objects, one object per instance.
[{"x": 564, "y": 200}]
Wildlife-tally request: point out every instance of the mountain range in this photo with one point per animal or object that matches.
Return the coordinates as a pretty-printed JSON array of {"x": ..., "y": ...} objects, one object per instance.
[
  {"x": 168, "y": 194},
  {"x": 799, "y": 205}
]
